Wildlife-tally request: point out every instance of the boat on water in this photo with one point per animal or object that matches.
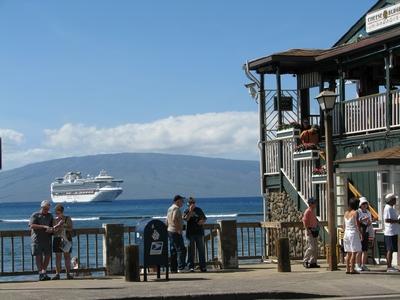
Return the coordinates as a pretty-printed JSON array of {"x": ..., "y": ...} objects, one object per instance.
[{"x": 72, "y": 188}]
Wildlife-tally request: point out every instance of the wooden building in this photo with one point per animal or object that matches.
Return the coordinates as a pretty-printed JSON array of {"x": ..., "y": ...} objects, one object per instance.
[{"x": 363, "y": 68}]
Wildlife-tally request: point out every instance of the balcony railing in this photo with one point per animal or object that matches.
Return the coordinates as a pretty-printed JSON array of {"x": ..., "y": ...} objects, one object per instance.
[{"x": 366, "y": 114}]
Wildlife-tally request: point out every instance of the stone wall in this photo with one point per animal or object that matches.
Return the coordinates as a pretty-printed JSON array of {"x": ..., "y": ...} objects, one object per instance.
[{"x": 282, "y": 209}]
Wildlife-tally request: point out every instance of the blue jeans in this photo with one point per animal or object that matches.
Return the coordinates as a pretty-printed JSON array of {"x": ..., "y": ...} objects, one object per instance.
[
  {"x": 199, "y": 241},
  {"x": 177, "y": 251}
]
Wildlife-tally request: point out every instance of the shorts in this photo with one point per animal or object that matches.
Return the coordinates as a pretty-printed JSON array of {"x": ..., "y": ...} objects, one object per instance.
[
  {"x": 365, "y": 242},
  {"x": 57, "y": 245},
  {"x": 41, "y": 248},
  {"x": 391, "y": 243}
]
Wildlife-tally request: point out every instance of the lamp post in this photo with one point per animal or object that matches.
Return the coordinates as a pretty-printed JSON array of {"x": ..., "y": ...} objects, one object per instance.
[{"x": 326, "y": 100}]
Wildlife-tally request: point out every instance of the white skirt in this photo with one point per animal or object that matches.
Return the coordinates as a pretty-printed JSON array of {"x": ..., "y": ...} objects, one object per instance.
[{"x": 351, "y": 241}]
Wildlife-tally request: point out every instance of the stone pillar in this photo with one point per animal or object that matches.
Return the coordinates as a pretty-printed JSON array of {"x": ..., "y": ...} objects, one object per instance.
[
  {"x": 113, "y": 249},
  {"x": 227, "y": 247}
]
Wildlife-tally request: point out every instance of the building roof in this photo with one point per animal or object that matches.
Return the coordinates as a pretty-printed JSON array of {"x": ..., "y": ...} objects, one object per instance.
[
  {"x": 361, "y": 22},
  {"x": 383, "y": 157},
  {"x": 298, "y": 60},
  {"x": 363, "y": 44},
  {"x": 289, "y": 59}
]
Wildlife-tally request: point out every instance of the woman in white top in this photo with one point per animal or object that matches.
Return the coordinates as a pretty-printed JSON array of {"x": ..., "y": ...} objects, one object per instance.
[
  {"x": 352, "y": 236},
  {"x": 365, "y": 219}
]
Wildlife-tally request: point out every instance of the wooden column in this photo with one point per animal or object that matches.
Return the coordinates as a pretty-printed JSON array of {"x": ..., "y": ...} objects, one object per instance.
[
  {"x": 304, "y": 98},
  {"x": 388, "y": 95},
  {"x": 262, "y": 133},
  {"x": 330, "y": 192},
  {"x": 262, "y": 138},
  {"x": 342, "y": 97},
  {"x": 278, "y": 100}
]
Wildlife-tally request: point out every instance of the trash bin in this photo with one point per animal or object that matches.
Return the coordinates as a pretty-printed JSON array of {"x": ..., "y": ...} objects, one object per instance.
[{"x": 152, "y": 239}]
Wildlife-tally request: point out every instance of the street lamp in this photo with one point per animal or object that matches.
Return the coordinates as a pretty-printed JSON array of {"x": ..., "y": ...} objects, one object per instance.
[{"x": 327, "y": 100}]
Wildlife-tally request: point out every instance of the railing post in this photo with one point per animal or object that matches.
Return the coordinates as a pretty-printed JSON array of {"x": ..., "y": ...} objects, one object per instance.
[
  {"x": 227, "y": 247},
  {"x": 113, "y": 249}
]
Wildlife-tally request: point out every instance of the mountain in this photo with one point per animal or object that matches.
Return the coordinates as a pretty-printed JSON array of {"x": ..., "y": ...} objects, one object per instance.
[{"x": 146, "y": 176}]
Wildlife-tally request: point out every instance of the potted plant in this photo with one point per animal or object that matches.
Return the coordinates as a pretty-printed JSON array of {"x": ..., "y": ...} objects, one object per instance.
[
  {"x": 285, "y": 131},
  {"x": 319, "y": 175},
  {"x": 306, "y": 152}
]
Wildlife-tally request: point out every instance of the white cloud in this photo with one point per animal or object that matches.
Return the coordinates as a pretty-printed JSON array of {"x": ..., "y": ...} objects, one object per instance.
[
  {"x": 11, "y": 136},
  {"x": 232, "y": 134},
  {"x": 227, "y": 134}
]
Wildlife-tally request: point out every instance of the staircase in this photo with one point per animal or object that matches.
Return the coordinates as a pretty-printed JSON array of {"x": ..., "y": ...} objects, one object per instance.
[{"x": 298, "y": 178}]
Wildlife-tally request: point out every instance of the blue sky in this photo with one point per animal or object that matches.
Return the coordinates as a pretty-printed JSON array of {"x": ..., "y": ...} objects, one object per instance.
[{"x": 122, "y": 70}]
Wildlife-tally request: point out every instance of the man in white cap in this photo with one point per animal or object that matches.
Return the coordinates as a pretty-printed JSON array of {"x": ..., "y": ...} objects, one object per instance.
[
  {"x": 391, "y": 232},
  {"x": 41, "y": 223}
]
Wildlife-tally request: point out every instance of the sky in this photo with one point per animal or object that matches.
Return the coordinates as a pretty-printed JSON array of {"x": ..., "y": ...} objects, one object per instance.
[{"x": 82, "y": 77}]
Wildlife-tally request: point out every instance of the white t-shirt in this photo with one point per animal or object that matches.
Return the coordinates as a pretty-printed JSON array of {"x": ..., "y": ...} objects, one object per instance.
[{"x": 390, "y": 213}]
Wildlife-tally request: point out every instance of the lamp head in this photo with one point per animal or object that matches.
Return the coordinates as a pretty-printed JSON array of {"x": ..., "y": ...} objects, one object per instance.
[
  {"x": 252, "y": 89},
  {"x": 326, "y": 100}
]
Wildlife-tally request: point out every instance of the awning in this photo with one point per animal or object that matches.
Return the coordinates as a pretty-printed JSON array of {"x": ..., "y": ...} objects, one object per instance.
[{"x": 372, "y": 161}]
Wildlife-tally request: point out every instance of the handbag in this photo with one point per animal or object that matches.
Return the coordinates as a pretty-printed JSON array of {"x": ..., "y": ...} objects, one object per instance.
[{"x": 314, "y": 232}]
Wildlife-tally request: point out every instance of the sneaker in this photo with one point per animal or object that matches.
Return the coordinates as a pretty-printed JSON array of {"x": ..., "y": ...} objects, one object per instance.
[
  {"x": 40, "y": 277},
  {"x": 314, "y": 265},
  {"x": 306, "y": 265},
  {"x": 365, "y": 268},
  {"x": 191, "y": 270},
  {"x": 358, "y": 269},
  {"x": 69, "y": 276},
  {"x": 45, "y": 277},
  {"x": 392, "y": 270},
  {"x": 182, "y": 271},
  {"x": 56, "y": 277}
]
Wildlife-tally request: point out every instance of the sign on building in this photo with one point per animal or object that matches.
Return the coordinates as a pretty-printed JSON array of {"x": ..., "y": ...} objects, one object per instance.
[
  {"x": 286, "y": 103},
  {"x": 382, "y": 18}
]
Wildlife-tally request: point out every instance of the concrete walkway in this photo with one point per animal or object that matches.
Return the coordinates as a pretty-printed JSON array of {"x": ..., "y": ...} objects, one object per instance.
[{"x": 260, "y": 281}]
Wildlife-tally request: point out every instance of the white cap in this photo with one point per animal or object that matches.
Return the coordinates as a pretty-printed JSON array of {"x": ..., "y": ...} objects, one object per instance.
[
  {"x": 390, "y": 196},
  {"x": 363, "y": 200},
  {"x": 45, "y": 203}
]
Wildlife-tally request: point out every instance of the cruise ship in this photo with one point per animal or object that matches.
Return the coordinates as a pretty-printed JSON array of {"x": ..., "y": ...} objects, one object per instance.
[{"x": 72, "y": 188}]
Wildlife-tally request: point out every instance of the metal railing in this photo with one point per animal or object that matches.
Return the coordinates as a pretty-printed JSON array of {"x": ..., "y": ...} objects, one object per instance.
[
  {"x": 255, "y": 240},
  {"x": 251, "y": 240},
  {"x": 16, "y": 257}
]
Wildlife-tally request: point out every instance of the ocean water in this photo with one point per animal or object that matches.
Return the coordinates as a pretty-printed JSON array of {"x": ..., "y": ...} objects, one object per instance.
[{"x": 15, "y": 216}]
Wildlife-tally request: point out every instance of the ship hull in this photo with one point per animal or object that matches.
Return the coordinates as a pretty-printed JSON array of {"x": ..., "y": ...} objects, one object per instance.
[{"x": 101, "y": 195}]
